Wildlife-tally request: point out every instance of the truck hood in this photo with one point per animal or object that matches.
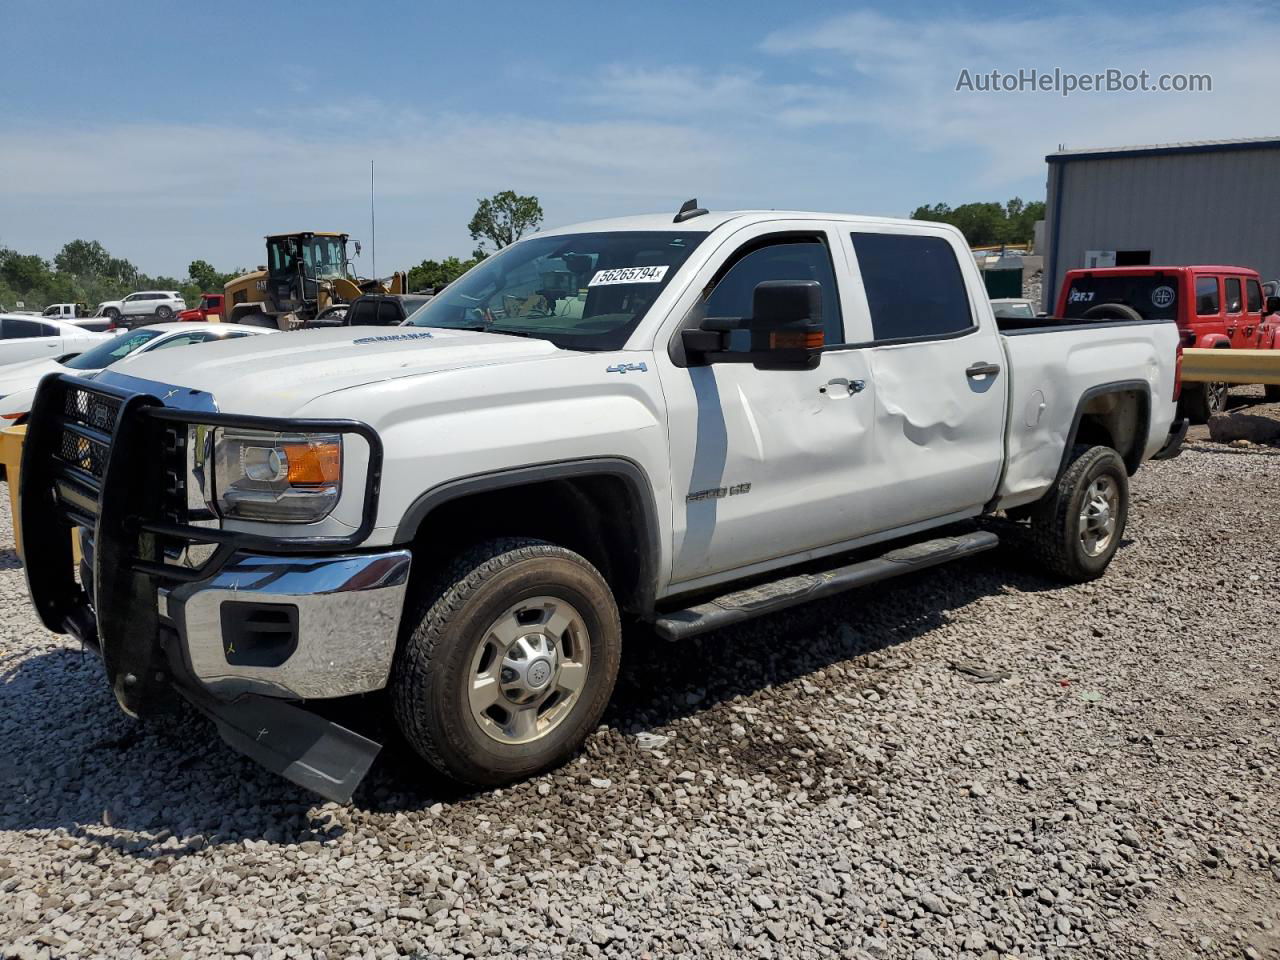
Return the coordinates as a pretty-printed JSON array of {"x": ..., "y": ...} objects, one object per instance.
[{"x": 277, "y": 376}]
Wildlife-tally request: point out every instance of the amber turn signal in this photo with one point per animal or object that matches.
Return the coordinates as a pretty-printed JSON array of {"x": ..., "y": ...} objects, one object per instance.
[
  {"x": 796, "y": 340},
  {"x": 314, "y": 464}
]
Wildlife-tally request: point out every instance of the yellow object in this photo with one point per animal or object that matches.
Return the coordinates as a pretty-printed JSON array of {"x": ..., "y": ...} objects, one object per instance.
[
  {"x": 1231, "y": 366},
  {"x": 11, "y": 441},
  {"x": 260, "y": 291}
]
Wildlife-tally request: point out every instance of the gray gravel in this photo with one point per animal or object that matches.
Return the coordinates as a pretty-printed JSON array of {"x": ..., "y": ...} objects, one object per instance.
[{"x": 972, "y": 763}]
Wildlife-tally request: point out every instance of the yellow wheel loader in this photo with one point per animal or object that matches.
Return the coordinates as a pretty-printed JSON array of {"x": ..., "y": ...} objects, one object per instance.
[{"x": 307, "y": 275}]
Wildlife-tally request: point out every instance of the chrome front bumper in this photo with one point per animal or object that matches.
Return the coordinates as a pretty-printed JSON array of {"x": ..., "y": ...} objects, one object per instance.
[{"x": 342, "y": 614}]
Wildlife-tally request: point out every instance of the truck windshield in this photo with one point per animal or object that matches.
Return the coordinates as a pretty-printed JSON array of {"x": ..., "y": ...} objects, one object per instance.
[
  {"x": 582, "y": 291},
  {"x": 1154, "y": 297}
]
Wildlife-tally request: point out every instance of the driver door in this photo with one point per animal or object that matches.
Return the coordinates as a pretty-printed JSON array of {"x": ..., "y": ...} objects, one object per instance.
[{"x": 765, "y": 464}]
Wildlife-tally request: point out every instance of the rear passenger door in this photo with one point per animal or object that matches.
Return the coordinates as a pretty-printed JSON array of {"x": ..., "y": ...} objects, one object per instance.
[
  {"x": 939, "y": 375},
  {"x": 1233, "y": 310},
  {"x": 1252, "y": 313}
]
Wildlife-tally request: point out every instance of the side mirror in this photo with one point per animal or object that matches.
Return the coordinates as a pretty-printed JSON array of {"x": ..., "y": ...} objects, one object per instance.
[
  {"x": 785, "y": 326},
  {"x": 1272, "y": 306},
  {"x": 357, "y": 248}
]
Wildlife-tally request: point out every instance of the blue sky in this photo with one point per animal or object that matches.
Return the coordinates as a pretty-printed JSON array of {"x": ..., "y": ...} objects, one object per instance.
[{"x": 175, "y": 131}]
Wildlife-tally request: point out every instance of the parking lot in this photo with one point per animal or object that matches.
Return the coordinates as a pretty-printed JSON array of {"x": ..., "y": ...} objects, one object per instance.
[{"x": 973, "y": 763}]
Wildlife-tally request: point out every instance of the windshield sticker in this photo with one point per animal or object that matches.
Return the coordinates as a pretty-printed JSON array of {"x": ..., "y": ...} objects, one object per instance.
[
  {"x": 1162, "y": 297},
  {"x": 604, "y": 278},
  {"x": 390, "y": 338}
]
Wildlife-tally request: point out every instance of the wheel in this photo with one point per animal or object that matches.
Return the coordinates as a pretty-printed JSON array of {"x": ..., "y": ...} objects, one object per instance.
[
  {"x": 1272, "y": 393},
  {"x": 1112, "y": 311},
  {"x": 1077, "y": 526},
  {"x": 1201, "y": 401},
  {"x": 506, "y": 662},
  {"x": 111, "y": 313},
  {"x": 164, "y": 312}
]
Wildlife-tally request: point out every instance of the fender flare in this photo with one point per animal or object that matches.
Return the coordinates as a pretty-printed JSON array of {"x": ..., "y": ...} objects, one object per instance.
[
  {"x": 646, "y": 533},
  {"x": 1140, "y": 387},
  {"x": 1214, "y": 341}
]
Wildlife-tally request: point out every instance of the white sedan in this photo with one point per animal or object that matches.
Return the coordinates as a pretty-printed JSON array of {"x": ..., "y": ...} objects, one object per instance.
[
  {"x": 18, "y": 382},
  {"x": 30, "y": 338}
]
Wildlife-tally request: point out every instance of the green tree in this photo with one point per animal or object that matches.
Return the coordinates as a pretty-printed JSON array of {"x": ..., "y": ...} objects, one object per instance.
[
  {"x": 85, "y": 258},
  {"x": 435, "y": 274},
  {"x": 504, "y": 218},
  {"x": 985, "y": 224},
  {"x": 24, "y": 273},
  {"x": 202, "y": 274}
]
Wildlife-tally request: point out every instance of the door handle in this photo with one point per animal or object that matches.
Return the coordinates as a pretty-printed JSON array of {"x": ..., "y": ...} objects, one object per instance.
[
  {"x": 982, "y": 369},
  {"x": 853, "y": 386}
]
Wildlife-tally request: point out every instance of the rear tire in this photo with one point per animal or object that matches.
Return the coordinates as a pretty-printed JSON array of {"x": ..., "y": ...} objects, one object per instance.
[
  {"x": 111, "y": 313},
  {"x": 507, "y": 661},
  {"x": 164, "y": 313},
  {"x": 1201, "y": 401},
  {"x": 1076, "y": 528},
  {"x": 1272, "y": 393}
]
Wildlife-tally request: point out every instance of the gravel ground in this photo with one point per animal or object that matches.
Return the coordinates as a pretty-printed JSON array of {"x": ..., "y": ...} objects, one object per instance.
[{"x": 972, "y": 763}]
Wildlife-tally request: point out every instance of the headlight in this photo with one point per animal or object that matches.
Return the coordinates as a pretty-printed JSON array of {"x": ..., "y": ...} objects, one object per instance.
[{"x": 285, "y": 477}]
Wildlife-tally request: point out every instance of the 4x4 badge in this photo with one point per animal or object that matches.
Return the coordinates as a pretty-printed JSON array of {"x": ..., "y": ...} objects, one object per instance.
[{"x": 626, "y": 368}]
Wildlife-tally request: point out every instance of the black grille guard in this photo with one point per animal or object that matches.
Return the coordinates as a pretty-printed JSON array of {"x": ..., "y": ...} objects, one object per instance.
[{"x": 86, "y": 437}]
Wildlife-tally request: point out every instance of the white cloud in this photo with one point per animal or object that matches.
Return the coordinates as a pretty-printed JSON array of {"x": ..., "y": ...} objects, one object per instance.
[{"x": 903, "y": 71}]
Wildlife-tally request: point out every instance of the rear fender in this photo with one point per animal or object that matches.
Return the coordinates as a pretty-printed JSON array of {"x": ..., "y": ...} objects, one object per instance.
[{"x": 1213, "y": 341}]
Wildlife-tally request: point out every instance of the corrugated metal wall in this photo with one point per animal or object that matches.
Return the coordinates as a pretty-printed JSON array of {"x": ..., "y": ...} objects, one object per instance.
[{"x": 1198, "y": 207}]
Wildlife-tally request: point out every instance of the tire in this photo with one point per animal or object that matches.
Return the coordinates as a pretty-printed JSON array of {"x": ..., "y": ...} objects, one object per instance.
[
  {"x": 1271, "y": 392},
  {"x": 1201, "y": 401},
  {"x": 164, "y": 313},
  {"x": 1060, "y": 535},
  {"x": 454, "y": 637},
  {"x": 111, "y": 313},
  {"x": 1112, "y": 311}
]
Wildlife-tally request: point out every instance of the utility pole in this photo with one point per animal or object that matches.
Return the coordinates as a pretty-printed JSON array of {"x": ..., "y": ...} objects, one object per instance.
[{"x": 373, "y": 225}]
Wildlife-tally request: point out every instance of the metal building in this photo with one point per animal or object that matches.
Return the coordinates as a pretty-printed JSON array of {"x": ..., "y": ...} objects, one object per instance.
[{"x": 1213, "y": 201}]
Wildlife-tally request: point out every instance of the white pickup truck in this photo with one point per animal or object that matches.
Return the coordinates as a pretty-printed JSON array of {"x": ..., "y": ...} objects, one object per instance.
[{"x": 685, "y": 421}]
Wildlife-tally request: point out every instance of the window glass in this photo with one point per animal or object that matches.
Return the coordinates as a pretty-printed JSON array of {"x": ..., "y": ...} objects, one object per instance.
[
  {"x": 183, "y": 340},
  {"x": 799, "y": 259},
  {"x": 1255, "y": 295},
  {"x": 914, "y": 286},
  {"x": 109, "y": 351},
  {"x": 1235, "y": 303},
  {"x": 21, "y": 329},
  {"x": 581, "y": 291},
  {"x": 388, "y": 313},
  {"x": 1206, "y": 296}
]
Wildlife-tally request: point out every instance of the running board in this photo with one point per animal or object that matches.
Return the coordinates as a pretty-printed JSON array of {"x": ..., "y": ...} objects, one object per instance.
[{"x": 765, "y": 598}]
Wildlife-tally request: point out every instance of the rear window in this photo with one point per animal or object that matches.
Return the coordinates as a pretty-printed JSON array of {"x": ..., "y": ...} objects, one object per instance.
[
  {"x": 915, "y": 290},
  {"x": 1153, "y": 297},
  {"x": 1207, "y": 301},
  {"x": 1235, "y": 300},
  {"x": 1255, "y": 295}
]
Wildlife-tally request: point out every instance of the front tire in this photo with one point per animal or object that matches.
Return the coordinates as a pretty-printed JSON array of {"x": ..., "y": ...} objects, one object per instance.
[
  {"x": 1076, "y": 528},
  {"x": 1271, "y": 393},
  {"x": 507, "y": 661}
]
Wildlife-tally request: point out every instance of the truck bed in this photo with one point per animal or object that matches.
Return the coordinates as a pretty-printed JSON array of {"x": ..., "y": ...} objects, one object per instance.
[{"x": 1053, "y": 375}]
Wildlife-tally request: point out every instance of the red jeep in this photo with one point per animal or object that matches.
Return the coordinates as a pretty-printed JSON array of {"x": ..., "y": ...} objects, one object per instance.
[
  {"x": 1215, "y": 307},
  {"x": 209, "y": 308}
]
